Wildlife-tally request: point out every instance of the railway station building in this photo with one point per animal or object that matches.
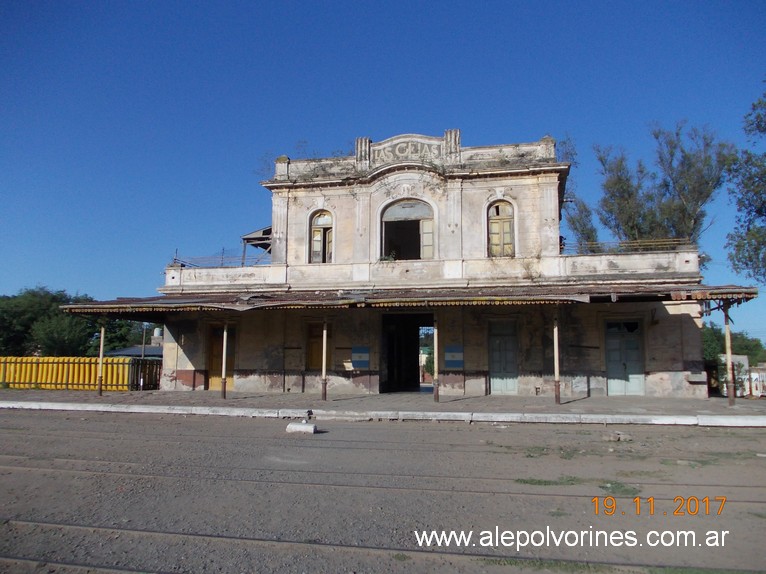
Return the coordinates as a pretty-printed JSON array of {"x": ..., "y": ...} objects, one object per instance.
[{"x": 418, "y": 232}]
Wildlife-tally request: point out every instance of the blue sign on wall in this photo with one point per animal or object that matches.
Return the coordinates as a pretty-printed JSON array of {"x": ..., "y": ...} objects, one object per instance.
[
  {"x": 360, "y": 357},
  {"x": 453, "y": 356}
]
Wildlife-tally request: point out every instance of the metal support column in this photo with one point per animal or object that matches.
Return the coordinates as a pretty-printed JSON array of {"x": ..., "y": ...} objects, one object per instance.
[
  {"x": 223, "y": 361},
  {"x": 556, "y": 377},
  {"x": 100, "y": 376},
  {"x": 436, "y": 360},
  {"x": 730, "y": 387},
  {"x": 324, "y": 360}
]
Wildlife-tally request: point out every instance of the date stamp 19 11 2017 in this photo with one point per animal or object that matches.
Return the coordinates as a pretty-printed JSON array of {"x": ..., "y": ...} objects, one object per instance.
[{"x": 681, "y": 506}]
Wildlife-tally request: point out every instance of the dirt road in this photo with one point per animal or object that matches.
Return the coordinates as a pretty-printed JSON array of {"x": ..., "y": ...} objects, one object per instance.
[{"x": 143, "y": 493}]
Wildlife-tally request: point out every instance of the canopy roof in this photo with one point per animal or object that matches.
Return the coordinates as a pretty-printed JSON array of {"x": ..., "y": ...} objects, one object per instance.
[
  {"x": 259, "y": 238},
  {"x": 154, "y": 308}
]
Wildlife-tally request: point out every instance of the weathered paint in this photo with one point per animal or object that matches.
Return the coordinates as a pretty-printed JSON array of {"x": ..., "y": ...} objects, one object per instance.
[{"x": 273, "y": 359}]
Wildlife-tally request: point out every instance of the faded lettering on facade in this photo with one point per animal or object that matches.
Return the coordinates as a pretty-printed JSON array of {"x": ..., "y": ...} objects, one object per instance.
[{"x": 405, "y": 150}]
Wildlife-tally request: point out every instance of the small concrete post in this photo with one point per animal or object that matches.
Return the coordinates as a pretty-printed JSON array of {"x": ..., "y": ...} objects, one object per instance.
[
  {"x": 436, "y": 360},
  {"x": 223, "y": 361},
  {"x": 324, "y": 360},
  {"x": 100, "y": 376}
]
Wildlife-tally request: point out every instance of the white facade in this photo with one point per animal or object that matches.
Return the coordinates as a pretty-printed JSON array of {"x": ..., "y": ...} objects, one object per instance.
[{"x": 419, "y": 231}]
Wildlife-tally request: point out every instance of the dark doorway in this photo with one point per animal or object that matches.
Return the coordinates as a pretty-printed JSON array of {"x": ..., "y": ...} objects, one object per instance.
[
  {"x": 402, "y": 239},
  {"x": 400, "y": 351}
]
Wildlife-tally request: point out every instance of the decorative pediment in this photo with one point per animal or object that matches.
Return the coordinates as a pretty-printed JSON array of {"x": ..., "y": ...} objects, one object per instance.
[{"x": 409, "y": 148}]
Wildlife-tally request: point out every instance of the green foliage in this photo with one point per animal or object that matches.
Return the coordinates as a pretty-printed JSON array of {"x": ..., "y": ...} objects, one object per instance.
[
  {"x": 580, "y": 220},
  {"x": 60, "y": 335},
  {"x": 742, "y": 344},
  {"x": 578, "y": 214},
  {"x": 669, "y": 203},
  {"x": 626, "y": 207},
  {"x": 747, "y": 243},
  {"x": 692, "y": 167},
  {"x": 19, "y": 313},
  {"x": 32, "y": 323},
  {"x": 429, "y": 366},
  {"x": 714, "y": 344},
  {"x": 118, "y": 334}
]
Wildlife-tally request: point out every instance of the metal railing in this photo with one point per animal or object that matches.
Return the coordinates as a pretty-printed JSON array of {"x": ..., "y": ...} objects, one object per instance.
[
  {"x": 224, "y": 259},
  {"x": 635, "y": 246},
  {"x": 228, "y": 259}
]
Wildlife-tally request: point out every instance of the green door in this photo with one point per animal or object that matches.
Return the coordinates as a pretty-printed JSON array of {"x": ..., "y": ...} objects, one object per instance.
[
  {"x": 624, "y": 358},
  {"x": 503, "y": 359}
]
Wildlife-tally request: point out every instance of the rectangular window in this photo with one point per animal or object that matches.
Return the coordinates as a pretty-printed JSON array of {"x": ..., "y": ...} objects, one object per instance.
[
  {"x": 321, "y": 245},
  {"x": 500, "y": 238}
]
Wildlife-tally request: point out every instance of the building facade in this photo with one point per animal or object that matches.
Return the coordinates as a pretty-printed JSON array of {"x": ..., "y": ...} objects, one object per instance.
[{"x": 418, "y": 232}]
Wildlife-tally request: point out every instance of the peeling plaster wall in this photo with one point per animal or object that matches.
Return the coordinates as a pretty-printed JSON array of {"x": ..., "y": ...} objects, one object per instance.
[
  {"x": 271, "y": 349},
  {"x": 183, "y": 356},
  {"x": 450, "y": 322},
  {"x": 459, "y": 210},
  {"x": 525, "y": 195},
  {"x": 672, "y": 347}
]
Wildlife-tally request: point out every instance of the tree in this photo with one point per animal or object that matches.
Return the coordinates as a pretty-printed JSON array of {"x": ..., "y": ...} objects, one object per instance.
[
  {"x": 713, "y": 345},
  {"x": 669, "y": 203},
  {"x": 19, "y": 313},
  {"x": 578, "y": 214},
  {"x": 747, "y": 243},
  {"x": 627, "y": 209},
  {"x": 118, "y": 334},
  {"x": 429, "y": 365},
  {"x": 32, "y": 322},
  {"x": 692, "y": 168},
  {"x": 579, "y": 218},
  {"x": 743, "y": 344},
  {"x": 60, "y": 335}
]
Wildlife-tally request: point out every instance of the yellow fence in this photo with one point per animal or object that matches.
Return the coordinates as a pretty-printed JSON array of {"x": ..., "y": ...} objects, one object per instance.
[{"x": 65, "y": 373}]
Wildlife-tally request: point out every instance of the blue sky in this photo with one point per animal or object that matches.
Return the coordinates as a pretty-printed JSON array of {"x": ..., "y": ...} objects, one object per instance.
[{"x": 130, "y": 130}]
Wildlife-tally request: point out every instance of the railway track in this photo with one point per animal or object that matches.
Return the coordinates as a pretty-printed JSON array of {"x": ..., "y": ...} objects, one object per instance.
[
  {"x": 265, "y": 477},
  {"x": 241, "y": 496},
  {"x": 247, "y": 554}
]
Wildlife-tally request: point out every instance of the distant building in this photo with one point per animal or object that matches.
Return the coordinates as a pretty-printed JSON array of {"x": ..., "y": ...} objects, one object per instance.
[
  {"x": 138, "y": 351},
  {"x": 417, "y": 231}
]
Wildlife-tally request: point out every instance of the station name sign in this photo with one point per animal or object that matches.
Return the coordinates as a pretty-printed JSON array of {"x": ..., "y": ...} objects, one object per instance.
[{"x": 404, "y": 150}]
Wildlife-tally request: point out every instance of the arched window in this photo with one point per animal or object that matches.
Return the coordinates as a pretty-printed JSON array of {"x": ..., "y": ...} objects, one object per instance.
[
  {"x": 321, "y": 238},
  {"x": 408, "y": 230},
  {"x": 500, "y": 229}
]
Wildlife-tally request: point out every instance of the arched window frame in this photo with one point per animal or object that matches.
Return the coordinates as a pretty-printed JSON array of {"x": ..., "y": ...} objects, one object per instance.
[
  {"x": 501, "y": 229},
  {"x": 390, "y": 249},
  {"x": 321, "y": 237}
]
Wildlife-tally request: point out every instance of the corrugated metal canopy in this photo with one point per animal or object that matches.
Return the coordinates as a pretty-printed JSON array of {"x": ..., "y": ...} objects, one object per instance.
[{"x": 154, "y": 307}]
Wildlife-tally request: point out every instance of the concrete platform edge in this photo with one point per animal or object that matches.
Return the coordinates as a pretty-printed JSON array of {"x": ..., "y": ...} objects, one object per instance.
[{"x": 350, "y": 415}]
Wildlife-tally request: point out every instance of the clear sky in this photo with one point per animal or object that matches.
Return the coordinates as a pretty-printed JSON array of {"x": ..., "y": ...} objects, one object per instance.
[{"x": 130, "y": 130}]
